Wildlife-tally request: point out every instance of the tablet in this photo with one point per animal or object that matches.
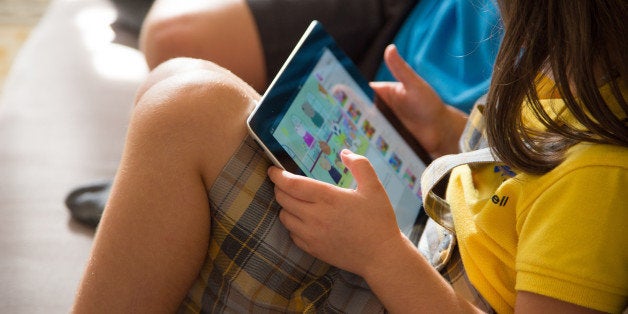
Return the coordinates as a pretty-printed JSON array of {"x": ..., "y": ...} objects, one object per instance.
[{"x": 319, "y": 104}]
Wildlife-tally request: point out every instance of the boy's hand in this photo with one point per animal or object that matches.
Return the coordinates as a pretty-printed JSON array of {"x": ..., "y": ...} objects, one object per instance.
[
  {"x": 344, "y": 227},
  {"x": 434, "y": 124}
]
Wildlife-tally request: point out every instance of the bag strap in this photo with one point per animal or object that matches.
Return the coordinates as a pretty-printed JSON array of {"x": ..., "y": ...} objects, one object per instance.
[{"x": 433, "y": 183}]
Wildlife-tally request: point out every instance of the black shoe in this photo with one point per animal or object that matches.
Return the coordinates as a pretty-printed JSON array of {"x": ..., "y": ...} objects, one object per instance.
[{"x": 87, "y": 203}]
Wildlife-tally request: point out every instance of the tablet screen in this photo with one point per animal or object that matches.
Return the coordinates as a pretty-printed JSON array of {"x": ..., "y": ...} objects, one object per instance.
[{"x": 331, "y": 109}]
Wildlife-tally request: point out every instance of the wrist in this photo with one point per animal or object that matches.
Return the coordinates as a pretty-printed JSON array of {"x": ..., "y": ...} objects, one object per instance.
[
  {"x": 390, "y": 255},
  {"x": 451, "y": 131}
]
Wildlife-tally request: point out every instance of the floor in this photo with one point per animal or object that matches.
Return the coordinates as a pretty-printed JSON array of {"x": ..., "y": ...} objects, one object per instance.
[{"x": 64, "y": 105}]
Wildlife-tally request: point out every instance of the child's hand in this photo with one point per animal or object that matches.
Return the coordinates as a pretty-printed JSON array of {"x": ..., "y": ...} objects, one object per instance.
[
  {"x": 344, "y": 227},
  {"x": 434, "y": 124}
]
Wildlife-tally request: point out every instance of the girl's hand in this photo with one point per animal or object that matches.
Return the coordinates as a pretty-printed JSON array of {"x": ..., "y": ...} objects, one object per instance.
[
  {"x": 344, "y": 227},
  {"x": 434, "y": 124}
]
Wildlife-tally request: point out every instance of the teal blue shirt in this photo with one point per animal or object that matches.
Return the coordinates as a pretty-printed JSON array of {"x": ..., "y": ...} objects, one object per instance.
[{"x": 452, "y": 44}]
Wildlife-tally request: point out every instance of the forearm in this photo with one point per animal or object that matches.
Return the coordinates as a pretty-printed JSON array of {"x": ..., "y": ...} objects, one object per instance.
[
  {"x": 439, "y": 130},
  {"x": 405, "y": 283},
  {"x": 453, "y": 131}
]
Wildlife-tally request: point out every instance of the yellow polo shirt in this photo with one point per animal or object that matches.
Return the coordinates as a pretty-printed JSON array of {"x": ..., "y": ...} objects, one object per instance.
[{"x": 563, "y": 234}]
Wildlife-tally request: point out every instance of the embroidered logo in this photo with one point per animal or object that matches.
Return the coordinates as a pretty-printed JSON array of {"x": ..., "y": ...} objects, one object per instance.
[
  {"x": 499, "y": 201},
  {"x": 504, "y": 170}
]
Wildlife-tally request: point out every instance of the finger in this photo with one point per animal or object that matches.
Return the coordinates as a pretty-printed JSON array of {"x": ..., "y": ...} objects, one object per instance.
[
  {"x": 389, "y": 92},
  {"x": 295, "y": 227},
  {"x": 290, "y": 221},
  {"x": 302, "y": 244},
  {"x": 400, "y": 69},
  {"x": 299, "y": 187},
  {"x": 361, "y": 169},
  {"x": 290, "y": 204},
  {"x": 287, "y": 182}
]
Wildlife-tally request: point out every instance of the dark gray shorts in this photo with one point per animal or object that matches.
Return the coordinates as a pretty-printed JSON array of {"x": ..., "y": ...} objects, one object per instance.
[{"x": 362, "y": 28}]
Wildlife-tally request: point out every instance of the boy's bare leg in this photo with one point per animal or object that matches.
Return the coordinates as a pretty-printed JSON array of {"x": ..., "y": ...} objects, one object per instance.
[
  {"x": 189, "y": 119},
  {"x": 222, "y": 31}
]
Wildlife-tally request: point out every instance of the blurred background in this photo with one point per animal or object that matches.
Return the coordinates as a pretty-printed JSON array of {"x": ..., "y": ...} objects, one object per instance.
[
  {"x": 17, "y": 19},
  {"x": 68, "y": 75}
]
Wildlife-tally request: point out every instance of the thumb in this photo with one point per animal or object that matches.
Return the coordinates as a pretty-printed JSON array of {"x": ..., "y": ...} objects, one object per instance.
[
  {"x": 389, "y": 92},
  {"x": 401, "y": 70},
  {"x": 361, "y": 169}
]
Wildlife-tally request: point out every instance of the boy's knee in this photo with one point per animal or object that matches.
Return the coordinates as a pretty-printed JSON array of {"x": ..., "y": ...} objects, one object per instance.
[
  {"x": 194, "y": 116},
  {"x": 189, "y": 93},
  {"x": 184, "y": 77}
]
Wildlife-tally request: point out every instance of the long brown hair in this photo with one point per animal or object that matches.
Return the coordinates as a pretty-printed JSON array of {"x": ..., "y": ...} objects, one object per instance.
[{"x": 582, "y": 43}]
